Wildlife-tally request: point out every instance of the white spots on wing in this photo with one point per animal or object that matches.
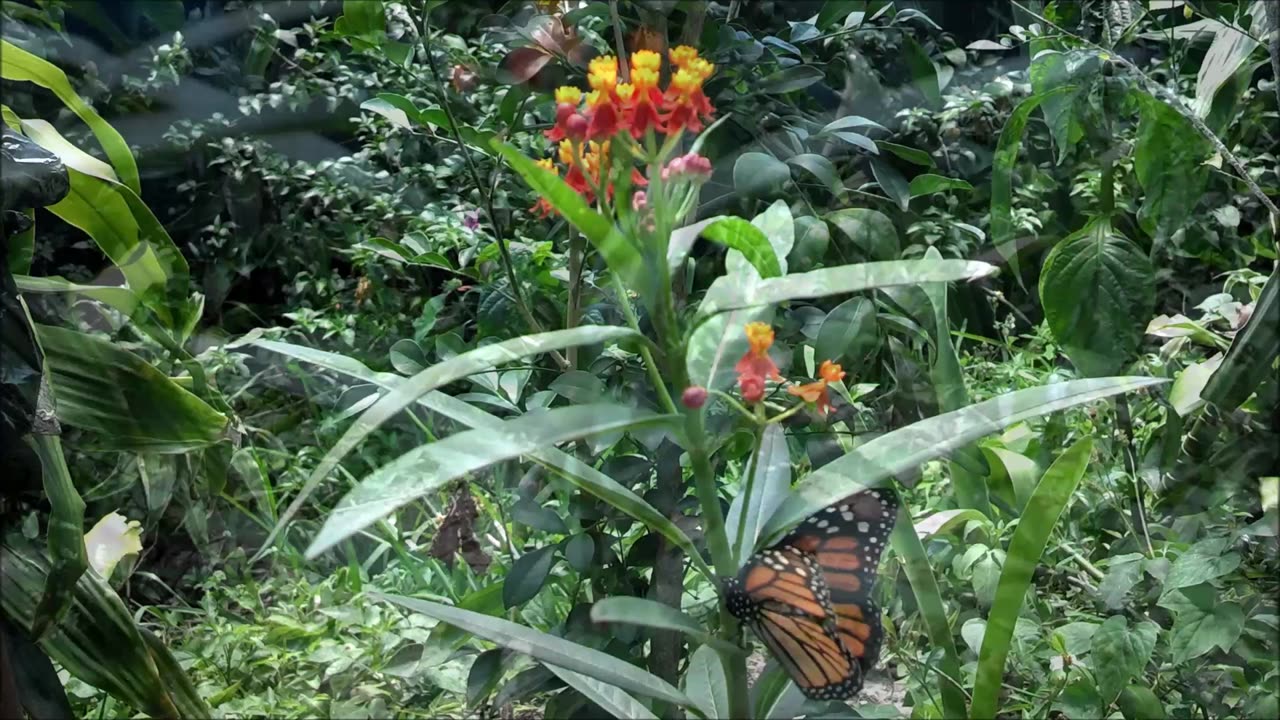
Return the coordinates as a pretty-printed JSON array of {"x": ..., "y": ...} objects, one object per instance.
[
  {"x": 848, "y": 516},
  {"x": 864, "y": 526}
]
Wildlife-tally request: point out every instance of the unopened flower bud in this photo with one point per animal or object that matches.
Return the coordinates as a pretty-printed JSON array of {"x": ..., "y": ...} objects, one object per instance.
[
  {"x": 694, "y": 397},
  {"x": 751, "y": 387},
  {"x": 576, "y": 126}
]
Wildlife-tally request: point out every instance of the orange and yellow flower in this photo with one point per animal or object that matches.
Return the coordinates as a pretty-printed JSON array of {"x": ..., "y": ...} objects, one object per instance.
[
  {"x": 756, "y": 366},
  {"x": 816, "y": 392}
]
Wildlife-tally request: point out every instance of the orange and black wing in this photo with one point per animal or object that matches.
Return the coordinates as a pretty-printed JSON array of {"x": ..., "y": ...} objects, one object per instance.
[
  {"x": 846, "y": 541},
  {"x": 783, "y": 598}
]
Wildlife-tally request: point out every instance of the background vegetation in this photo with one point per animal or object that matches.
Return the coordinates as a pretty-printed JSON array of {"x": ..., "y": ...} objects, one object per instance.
[{"x": 263, "y": 259}]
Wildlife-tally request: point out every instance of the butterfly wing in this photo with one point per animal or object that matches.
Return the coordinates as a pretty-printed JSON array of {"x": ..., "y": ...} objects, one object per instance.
[
  {"x": 783, "y": 598},
  {"x": 846, "y": 540}
]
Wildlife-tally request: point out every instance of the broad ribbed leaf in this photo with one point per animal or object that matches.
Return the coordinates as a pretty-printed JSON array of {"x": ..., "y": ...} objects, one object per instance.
[
  {"x": 761, "y": 494},
  {"x": 430, "y": 467},
  {"x": 1168, "y": 160},
  {"x": 1097, "y": 269}
]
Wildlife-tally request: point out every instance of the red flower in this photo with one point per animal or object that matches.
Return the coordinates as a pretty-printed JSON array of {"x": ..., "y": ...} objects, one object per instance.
[
  {"x": 756, "y": 362},
  {"x": 751, "y": 387}
]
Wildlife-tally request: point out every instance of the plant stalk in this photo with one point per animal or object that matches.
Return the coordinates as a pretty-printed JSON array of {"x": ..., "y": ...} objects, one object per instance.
[
  {"x": 577, "y": 252},
  {"x": 1125, "y": 421}
]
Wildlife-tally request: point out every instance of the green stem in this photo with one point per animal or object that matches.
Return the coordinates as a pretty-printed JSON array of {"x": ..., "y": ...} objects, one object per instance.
[
  {"x": 650, "y": 365},
  {"x": 577, "y": 252}
]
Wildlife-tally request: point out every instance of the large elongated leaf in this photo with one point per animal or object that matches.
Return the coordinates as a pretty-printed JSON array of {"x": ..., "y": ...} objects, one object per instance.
[
  {"x": 115, "y": 296},
  {"x": 548, "y": 649},
  {"x": 18, "y": 64},
  {"x": 1006, "y": 156},
  {"x": 639, "y": 611},
  {"x": 1252, "y": 354},
  {"x": 66, "y": 533},
  {"x": 610, "y": 698},
  {"x": 763, "y": 492},
  {"x": 126, "y": 402},
  {"x": 1028, "y": 543},
  {"x": 97, "y": 641},
  {"x": 1096, "y": 268},
  {"x": 431, "y": 466},
  {"x": 725, "y": 295},
  {"x": 582, "y": 475},
  {"x": 407, "y": 392},
  {"x": 906, "y": 448},
  {"x": 705, "y": 683},
  {"x": 1229, "y": 50}
]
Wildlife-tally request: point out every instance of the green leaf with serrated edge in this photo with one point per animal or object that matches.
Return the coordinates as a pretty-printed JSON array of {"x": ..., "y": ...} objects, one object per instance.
[
  {"x": 1096, "y": 267},
  {"x": 579, "y": 474},
  {"x": 429, "y": 467},
  {"x": 904, "y": 449},
  {"x": 437, "y": 375},
  {"x": 18, "y": 64},
  {"x": 548, "y": 649},
  {"x": 1006, "y": 156},
  {"x": 1029, "y": 540},
  {"x": 647, "y": 613}
]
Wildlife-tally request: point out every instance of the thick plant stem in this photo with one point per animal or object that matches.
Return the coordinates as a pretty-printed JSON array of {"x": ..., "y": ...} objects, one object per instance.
[
  {"x": 650, "y": 365},
  {"x": 668, "y": 572},
  {"x": 504, "y": 252}
]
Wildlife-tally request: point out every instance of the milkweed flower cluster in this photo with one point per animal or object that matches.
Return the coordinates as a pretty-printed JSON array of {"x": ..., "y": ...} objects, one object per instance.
[
  {"x": 603, "y": 131},
  {"x": 755, "y": 367}
]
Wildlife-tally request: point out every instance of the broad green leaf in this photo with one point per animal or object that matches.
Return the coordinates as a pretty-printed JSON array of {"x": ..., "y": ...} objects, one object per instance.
[
  {"x": 682, "y": 240},
  {"x": 893, "y": 184},
  {"x": 915, "y": 563},
  {"x": 579, "y": 550},
  {"x": 548, "y": 649},
  {"x": 429, "y": 467},
  {"x": 438, "y": 375},
  {"x": 924, "y": 75},
  {"x": 1052, "y": 69},
  {"x": 1228, "y": 51},
  {"x": 1120, "y": 653},
  {"x": 1205, "y": 561},
  {"x": 1185, "y": 393},
  {"x": 122, "y": 399},
  {"x": 849, "y": 122},
  {"x": 400, "y": 110},
  {"x": 1013, "y": 476},
  {"x": 746, "y": 238},
  {"x": 18, "y": 64},
  {"x": 1252, "y": 354},
  {"x": 705, "y": 683},
  {"x": 97, "y": 641},
  {"x": 484, "y": 675},
  {"x": 813, "y": 238},
  {"x": 611, "y": 699},
  {"x": 647, "y": 613},
  {"x": 871, "y": 232},
  {"x": 1006, "y": 156},
  {"x": 581, "y": 475},
  {"x": 115, "y": 296},
  {"x": 761, "y": 493},
  {"x": 39, "y": 689},
  {"x": 725, "y": 295},
  {"x": 1200, "y": 627},
  {"x": 756, "y": 174},
  {"x": 929, "y": 184},
  {"x": 363, "y": 20},
  {"x": 1137, "y": 702},
  {"x": 848, "y": 334},
  {"x": 822, "y": 169},
  {"x": 912, "y": 155},
  {"x": 1123, "y": 572},
  {"x": 796, "y": 77},
  {"x": 1029, "y": 540},
  {"x": 906, "y": 448},
  {"x": 527, "y": 575},
  {"x": 776, "y": 696},
  {"x": 1092, "y": 268},
  {"x": 1168, "y": 160}
]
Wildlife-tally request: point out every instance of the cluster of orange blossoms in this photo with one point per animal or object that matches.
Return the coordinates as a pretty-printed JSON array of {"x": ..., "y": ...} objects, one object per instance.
[
  {"x": 756, "y": 366},
  {"x": 587, "y": 122}
]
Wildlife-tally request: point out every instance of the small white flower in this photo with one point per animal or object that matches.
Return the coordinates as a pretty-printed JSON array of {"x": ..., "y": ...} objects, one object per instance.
[{"x": 110, "y": 540}]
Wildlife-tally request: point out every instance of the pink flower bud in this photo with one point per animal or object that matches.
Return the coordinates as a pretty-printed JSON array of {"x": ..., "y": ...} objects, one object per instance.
[
  {"x": 688, "y": 167},
  {"x": 576, "y": 126},
  {"x": 639, "y": 201},
  {"x": 694, "y": 397}
]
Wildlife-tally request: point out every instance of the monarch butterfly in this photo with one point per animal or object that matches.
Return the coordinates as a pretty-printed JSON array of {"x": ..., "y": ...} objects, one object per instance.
[{"x": 808, "y": 597}]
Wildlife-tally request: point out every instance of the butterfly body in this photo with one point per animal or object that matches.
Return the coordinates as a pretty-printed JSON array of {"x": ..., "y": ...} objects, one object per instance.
[{"x": 808, "y": 597}]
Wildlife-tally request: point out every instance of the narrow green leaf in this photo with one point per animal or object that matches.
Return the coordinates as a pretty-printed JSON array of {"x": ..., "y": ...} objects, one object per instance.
[
  {"x": 763, "y": 492},
  {"x": 116, "y": 296},
  {"x": 796, "y": 77},
  {"x": 610, "y": 698},
  {"x": 647, "y": 613},
  {"x": 430, "y": 467},
  {"x": 527, "y": 576},
  {"x": 407, "y": 392},
  {"x": 1252, "y": 354},
  {"x": 725, "y": 295},
  {"x": 18, "y": 64},
  {"x": 912, "y": 155},
  {"x": 65, "y": 535},
  {"x": 705, "y": 683},
  {"x": 915, "y": 563},
  {"x": 548, "y": 649},
  {"x": 906, "y": 448},
  {"x": 1006, "y": 156},
  {"x": 822, "y": 169},
  {"x": 122, "y": 399},
  {"x": 1026, "y": 547},
  {"x": 928, "y": 184},
  {"x": 892, "y": 182}
]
